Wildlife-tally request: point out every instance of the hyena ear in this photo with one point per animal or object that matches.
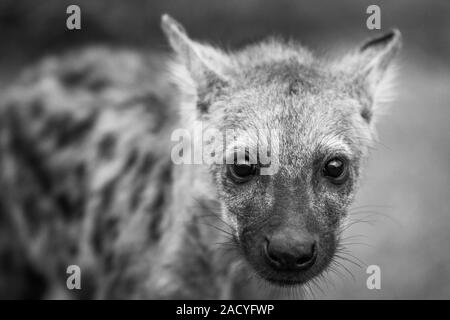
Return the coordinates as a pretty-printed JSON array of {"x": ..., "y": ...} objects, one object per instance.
[
  {"x": 373, "y": 69},
  {"x": 206, "y": 65}
]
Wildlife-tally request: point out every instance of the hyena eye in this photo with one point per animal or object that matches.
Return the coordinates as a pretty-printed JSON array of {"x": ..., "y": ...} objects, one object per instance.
[
  {"x": 335, "y": 170},
  {"x": 240, "y": 173}
]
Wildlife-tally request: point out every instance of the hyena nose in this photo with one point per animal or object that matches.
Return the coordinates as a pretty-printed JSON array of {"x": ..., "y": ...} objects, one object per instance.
[{"x": 285, "y": 251}]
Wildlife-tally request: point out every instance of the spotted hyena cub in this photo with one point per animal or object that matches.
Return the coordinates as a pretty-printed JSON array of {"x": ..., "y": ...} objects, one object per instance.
[{"x": 90, "y": 176}]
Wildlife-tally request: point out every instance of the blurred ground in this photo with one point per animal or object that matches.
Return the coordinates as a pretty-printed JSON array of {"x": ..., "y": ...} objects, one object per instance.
[{"x": 408, "y": 180}]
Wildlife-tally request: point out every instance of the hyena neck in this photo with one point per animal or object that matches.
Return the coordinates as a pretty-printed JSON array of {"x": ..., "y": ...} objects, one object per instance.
[
  {"x": 193, "y": 262},
  {"x": 200, "y": 260}
]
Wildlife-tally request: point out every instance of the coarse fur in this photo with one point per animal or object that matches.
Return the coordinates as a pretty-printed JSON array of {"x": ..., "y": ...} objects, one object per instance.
[{"x": 87, "y": 178}]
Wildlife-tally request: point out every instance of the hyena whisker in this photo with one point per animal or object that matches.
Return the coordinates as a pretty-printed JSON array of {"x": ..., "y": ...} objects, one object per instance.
[
  {"x": 306, "y": 293},
  {"x": 220, "y": 220},
  {"x": 338, "y": 270},
  {"x": 315, "y": 283},
  {"x": 347, "y": 253},
  {"x": 296, "y": 293},
  {"x": 366, "y": 213},
  {"x": 333, "y": 269},
  {"x": 213, "y": 211},
  {"x": 357, "y": 243},
  {"x": 369, "y": 206},
  {"x": 349, "y": 260},
  {"x": 345, "y": 268},
  {"x": 261, "y": 284},
  {"x": 218, "y": 229},
  {"x": 300, "y": 293},
  {"x": 357, "y": 237},
  {"x": 230, "y": 243},
  {"x": 324, "y": 277},
  {"x": 352, "y": 223},
  {"x": 311, "y": 294},
  {"x": 363, "y": 220},
  {"x": 376, "y": 215},
  {"x": 227, "y": 248}
]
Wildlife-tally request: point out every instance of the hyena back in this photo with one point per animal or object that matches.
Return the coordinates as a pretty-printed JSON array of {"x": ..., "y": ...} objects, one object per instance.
[{"x": 87, "y": 176}]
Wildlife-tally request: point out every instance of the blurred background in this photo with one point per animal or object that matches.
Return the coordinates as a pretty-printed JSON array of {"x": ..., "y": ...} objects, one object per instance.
[{"x": 406, "y": 190}]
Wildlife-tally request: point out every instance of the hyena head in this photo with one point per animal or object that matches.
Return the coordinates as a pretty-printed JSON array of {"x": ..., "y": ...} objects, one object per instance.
[{"x": 317, "y": 117}]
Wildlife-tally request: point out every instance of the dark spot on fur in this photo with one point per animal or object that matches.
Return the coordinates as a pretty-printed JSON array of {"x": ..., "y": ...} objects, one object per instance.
[
  {"x": 73, "y": 249},
  {"x": 31, "y": 211},
  {"x": 36, "y": 108},
  {"x": 107, "y": 146},
  {"x": 131, "y": 160},
  {"x": 109, "y": 262},
  {"x": 80, "y": 170},
  {"x": 202, "y": 106},
  {"x": 70, "y": 207},
  {"x": 110, "y": 228},
  {"x": 159, "y": 108},
  {"x": 97, "y": 85},
  {"x": 105, "y": 233},
  {"x": 75, "y": 132},
  {"x": 141, "y": 180},
  {"x": 294, "y": 87},
  {"x": 70, "y": 194},
  {"x": 206, "y": 95},
  {"x": 65, "y": 129},
  {"x": 65, "y": 204},
  {"x": 157, "y": 215},
  {"x": 366, "y": 113},
  {"x": 166, "y": 174},
  {"x": 84, "y": 77},
  {"x": 147, "y": 164},
  {"x": 73, "y": 78},
  {"x": 158, "y": 206},
  {"x": 107, "y": 195},
  {"x": 25, "y": 150},
  {"x": 97, "y": 241}
]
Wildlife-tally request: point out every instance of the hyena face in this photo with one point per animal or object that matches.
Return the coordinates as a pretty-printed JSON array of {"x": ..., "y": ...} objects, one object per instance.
[{"x": 315, "y": 119}]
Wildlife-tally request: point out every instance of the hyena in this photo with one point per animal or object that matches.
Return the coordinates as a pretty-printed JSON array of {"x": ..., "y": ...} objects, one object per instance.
[{"x": 87, "y": 177}]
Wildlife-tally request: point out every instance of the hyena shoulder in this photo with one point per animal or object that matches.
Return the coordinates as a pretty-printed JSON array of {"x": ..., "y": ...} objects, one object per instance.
[{"x": 80, "y": 183}]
